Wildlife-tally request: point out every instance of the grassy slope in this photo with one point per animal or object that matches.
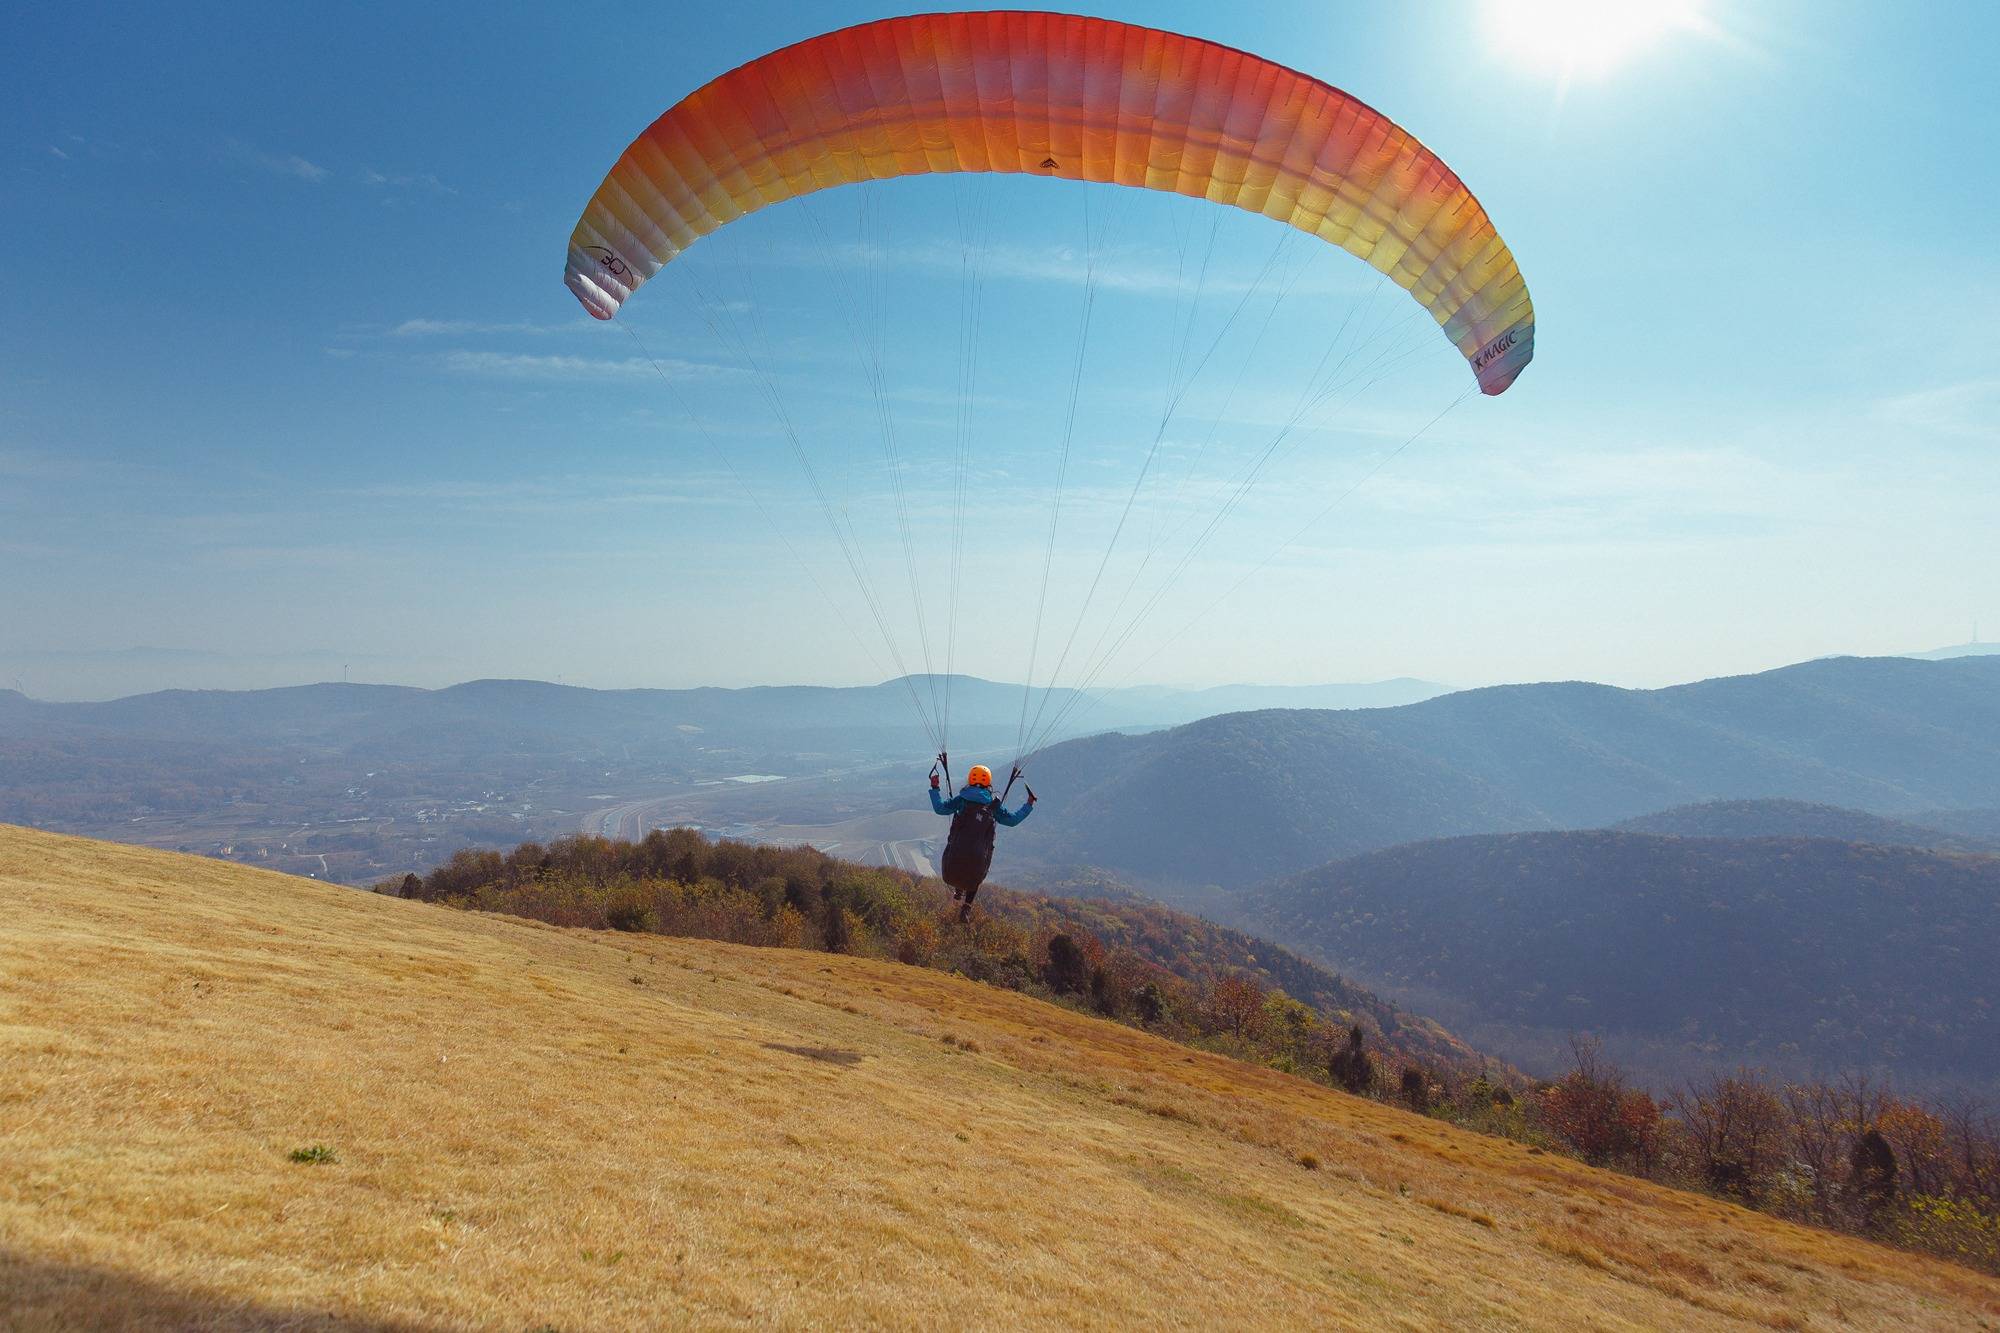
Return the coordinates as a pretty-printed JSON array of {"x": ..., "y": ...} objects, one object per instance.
[{"x": 539, "y": 1126}]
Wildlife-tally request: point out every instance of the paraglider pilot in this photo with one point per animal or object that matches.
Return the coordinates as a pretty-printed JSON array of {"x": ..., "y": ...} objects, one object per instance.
[{"x": 968, "y": 850}]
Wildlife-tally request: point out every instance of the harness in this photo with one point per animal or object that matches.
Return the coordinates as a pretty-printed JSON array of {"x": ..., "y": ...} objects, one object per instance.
[
  {"x": 973, "y": 826},
  {"x": 968, "y": 848}
]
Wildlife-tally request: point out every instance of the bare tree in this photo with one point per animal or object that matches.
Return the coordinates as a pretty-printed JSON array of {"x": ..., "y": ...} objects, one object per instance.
[
  {"x": 1974, "y": 1137},
  {"x": 1736, "y": 1126},
  {"x": 1822, "y": 1142}
]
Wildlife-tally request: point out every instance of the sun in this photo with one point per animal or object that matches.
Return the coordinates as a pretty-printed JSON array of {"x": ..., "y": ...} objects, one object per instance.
[{"x": 1586, "y": 37}]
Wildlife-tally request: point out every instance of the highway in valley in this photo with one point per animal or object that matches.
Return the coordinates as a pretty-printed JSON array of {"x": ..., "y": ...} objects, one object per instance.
[{"x": 631, "y": 820}]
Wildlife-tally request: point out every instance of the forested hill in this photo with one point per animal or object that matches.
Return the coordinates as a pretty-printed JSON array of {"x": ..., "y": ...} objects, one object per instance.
[
  {"x": 1250, "y": 796},
  {"x": 1130, "y": 959},
  {"x": 1801, "y": 819},
  {"x": 1681, "y": 952}
]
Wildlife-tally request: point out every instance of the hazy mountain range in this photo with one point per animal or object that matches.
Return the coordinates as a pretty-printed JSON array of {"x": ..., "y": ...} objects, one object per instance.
[
  {"x": 1972, "y": 649},
  {"x": 1803, "y": 819},
  {"x": 353, "y": 781},
  {"x": 1797, "y": 954},
  {"x": 96, "y": 674},
  {"x": 881, "y": 717},
  {"x": 1245, "y": 797}
]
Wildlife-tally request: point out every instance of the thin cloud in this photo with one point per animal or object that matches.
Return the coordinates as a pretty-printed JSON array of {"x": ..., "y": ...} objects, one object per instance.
[
  {"x": 452, "y": 490},
  {"x": 1968, "y": 409},
  {"x": 423, "y": 180},
  {"x": 506, "y": 365},
  {"x": 282, "y": 164},
  {"x": 59, "y": 152},
  {"x": 322, "y": 556},
  {"x": 37, "y": 550},
  {"x": 1142, "y": 271},
  {"x": 434, "y": 328},
  {"x": 552, "y": 495},
  {"x": 37, "y": 465},
  {"x": 18, "y": 463}
]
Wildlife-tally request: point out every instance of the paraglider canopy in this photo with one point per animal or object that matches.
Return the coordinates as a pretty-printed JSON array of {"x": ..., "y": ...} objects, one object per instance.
[{"x": 1073, "y": 98}]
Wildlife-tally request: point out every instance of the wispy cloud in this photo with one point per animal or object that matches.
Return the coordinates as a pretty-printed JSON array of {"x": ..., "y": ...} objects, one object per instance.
[
  {"x": 517, "y": 366},
  {"x": 1970, "y": 409},
  {"x": 29, "y": 464},
  {"x": 35, "y": 550},
  {"x": 453, "y": 490},
  {"x": 58, "y": 152},
  {"x": 282, "y": 164},
  {"x": 419, "y": 180},
  {"x": 580, "y": 494},
  {"x": 303, "y": 168},
  {"x": 313, "y": 556},
  {"x": 19, "y": 463},
  {"x": 1132, "y": 269},
  {"x": 1680, "y": 488},
  {"x": 433, "y": 328}
]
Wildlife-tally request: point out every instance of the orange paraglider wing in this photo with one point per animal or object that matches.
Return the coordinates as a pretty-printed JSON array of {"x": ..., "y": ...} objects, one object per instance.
[{"x": 1077, "y": 98}]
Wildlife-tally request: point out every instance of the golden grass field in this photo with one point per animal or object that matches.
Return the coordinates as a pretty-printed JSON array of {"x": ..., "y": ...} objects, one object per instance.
[{"x": 543, "y": 1128}]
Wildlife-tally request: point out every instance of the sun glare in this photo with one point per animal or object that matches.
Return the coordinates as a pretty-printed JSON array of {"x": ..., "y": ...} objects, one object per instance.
[{"x": 1586, "y": 37}]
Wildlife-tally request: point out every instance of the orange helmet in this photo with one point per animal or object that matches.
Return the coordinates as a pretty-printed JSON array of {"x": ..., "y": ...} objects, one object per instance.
[{"x": 980, "y": 776}]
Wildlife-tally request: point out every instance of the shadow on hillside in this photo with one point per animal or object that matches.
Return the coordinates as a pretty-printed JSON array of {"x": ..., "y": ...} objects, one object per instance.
[
  {"x": 39, "y": 1293},
  {"x": 831, "y": 1055}
]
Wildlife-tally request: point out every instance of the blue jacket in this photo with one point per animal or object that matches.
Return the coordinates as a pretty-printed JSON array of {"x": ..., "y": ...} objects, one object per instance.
[{"x": 980, "y": 796}]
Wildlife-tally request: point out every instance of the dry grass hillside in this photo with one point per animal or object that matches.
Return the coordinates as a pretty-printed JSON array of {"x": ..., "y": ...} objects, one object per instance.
[{"x": 541, "y": 1128}]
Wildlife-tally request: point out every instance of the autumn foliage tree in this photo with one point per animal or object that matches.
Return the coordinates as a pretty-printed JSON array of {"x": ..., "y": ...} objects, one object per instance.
[
  {"x": 1593, "y": 1111},
  {"x": 1236, "y": 1005}
]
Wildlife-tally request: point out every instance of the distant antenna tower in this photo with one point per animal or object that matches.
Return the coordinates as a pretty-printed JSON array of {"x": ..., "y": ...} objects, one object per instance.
[{"x": 343, "y": 673}]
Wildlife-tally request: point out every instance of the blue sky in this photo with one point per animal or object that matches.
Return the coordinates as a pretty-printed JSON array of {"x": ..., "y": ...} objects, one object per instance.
[{"x": 288, "y": 378}]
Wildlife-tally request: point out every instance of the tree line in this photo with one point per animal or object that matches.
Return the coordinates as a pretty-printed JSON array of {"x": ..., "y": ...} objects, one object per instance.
[{"x": 1136, "y": 961}]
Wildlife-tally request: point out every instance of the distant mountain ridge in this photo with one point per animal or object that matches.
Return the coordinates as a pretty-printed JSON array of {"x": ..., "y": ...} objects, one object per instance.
[
  {"x": 979, "y": 708},
  {"x": 357, "y": 780},
  {"x": 1981, "y": 824},
  {"x": 1800, "y": 819},
  {"x": 1682, "y": 952},
  {"x": 1973, "y": 649},
  {"x": 1249, "y": 796}
]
